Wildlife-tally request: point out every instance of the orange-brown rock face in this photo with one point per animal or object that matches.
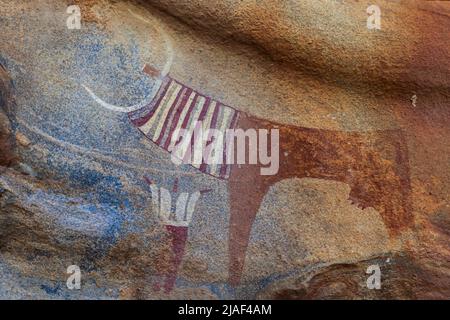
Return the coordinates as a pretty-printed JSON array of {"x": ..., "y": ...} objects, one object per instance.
[
  {"x": 325, "y": 39},
  {"x": 363, "y": 116}
]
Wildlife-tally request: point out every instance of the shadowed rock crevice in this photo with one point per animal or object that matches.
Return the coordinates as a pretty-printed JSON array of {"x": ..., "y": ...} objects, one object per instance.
[
  {"x": 402, "y": 278},
  {"x": 7, "y": 145}
]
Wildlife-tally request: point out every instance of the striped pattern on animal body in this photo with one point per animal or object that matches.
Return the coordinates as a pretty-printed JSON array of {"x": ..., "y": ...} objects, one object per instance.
[{"x": 176, "y": 107}]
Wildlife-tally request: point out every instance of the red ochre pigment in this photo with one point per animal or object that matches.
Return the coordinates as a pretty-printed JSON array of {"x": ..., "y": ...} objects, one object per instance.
[{"x": 374, "y": 164}]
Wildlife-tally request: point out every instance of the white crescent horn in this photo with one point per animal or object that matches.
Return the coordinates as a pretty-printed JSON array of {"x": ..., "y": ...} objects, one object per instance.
[
  {"x": 164, "y": 72},
  {"x": 169, "y": 47},
  {"x": 124, "y": 109}
]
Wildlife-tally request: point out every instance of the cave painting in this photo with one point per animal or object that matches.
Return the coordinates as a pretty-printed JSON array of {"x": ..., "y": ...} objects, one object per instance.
[
  {"x": 374, "y": 164},
  {"x": 176, "y": 107},
  {"x": 175, "y": 212}
]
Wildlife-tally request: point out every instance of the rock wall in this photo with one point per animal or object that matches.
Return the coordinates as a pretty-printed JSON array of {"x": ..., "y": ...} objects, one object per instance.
[{"x": 363, "y": 118}]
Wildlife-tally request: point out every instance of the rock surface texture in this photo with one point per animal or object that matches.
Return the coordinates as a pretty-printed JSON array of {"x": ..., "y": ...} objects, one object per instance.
[{"x": 363, "y": 118}]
